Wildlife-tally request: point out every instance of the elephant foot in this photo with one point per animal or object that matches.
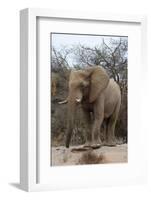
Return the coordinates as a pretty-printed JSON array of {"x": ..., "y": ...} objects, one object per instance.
[
  {"x": 96, "y": 146},
  {"x": 110, "y": 144},
  {"x": 87, "y": 144},
  {"x": 80, "y": 149},
  {"x": 90, "y": 145}
]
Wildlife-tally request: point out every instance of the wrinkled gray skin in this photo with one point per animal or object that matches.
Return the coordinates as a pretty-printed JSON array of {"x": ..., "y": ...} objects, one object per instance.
[{"x": 99, "y": 95}]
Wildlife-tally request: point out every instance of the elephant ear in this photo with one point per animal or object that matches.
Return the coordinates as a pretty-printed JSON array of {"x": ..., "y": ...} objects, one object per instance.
[{"x": 99, "y": 81}]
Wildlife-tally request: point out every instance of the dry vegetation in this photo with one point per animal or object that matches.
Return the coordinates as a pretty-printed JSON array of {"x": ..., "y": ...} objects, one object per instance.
[{"x": 113, "y": 57}]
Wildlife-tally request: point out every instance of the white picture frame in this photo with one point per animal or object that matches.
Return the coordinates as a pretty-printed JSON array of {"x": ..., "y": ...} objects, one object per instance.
[{"x": 29, "y": 149}]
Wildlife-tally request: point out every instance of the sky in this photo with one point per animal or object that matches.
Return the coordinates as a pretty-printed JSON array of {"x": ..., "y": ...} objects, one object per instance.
[{"x": 60, "y": 40}]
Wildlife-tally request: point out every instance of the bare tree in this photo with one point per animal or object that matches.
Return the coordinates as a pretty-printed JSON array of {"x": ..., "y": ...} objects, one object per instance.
[
  {"x": 112, "y": 56},
  {"x": 60, "y": 59}
]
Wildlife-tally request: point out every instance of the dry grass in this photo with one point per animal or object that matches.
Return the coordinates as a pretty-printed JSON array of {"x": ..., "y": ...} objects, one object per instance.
[{"x": 91, "y": 158}]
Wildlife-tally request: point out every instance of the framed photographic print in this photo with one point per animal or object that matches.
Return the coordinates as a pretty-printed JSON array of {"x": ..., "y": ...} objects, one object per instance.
[{"x": 81, "y": 88}]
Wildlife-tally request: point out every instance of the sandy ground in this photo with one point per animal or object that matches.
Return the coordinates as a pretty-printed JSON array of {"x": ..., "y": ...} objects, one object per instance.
[{"x": 75, "y": 155}]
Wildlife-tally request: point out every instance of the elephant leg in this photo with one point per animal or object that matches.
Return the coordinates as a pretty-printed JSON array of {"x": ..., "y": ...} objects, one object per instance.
[
  {"x": 96, "y": 140},
  {"x": 110, "y": 137},
  {"x": 88, "y": 122},
  {"x": 104, "y": 131},
  {"x": 98, "y": 120}
]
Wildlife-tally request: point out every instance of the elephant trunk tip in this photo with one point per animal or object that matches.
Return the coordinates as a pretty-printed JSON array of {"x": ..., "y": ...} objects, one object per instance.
[
  {"x": 67, "y": 145},
  {"x": 68, "y": 141}
]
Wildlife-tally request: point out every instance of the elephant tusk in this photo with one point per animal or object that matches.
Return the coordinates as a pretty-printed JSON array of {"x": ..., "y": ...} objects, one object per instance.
[
  {"x": 63, "y": 102},
  {"x": 78, "y": 100}
]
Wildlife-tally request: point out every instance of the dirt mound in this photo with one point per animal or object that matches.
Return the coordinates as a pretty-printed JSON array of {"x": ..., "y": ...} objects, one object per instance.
[{"x": 77, "y": 156}]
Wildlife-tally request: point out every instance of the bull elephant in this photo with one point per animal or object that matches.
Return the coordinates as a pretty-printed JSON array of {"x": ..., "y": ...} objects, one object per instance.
[{"x": 99, "y": 96}]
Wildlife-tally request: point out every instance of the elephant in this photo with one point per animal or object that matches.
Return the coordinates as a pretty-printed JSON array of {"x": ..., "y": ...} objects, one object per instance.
[{"x": 100, "y": 97}]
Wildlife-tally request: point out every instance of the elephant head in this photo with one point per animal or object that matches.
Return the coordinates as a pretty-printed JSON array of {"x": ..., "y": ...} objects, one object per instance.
[{"x": 84, "y": 86}]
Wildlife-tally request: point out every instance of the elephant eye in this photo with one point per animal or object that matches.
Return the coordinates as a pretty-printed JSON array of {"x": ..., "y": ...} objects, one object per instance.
[{"x": 84, "y": 84}]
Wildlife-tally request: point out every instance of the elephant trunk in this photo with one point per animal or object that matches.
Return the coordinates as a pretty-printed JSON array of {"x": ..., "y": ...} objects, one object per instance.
[{"x": 70, "y": 123}]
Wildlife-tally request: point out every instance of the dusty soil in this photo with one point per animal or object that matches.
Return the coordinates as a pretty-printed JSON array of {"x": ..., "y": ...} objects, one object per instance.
[{"x": 76, "y": 155}]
